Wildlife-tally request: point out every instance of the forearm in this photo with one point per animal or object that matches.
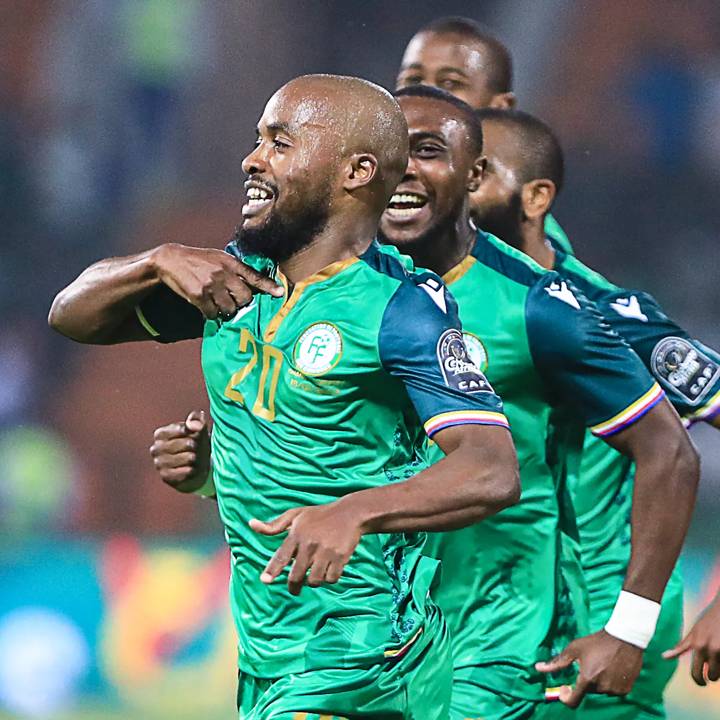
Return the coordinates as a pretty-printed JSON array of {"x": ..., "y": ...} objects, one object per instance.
[
  {"x": 663, "y": 501},
  {"x": 103, "y": 297},
  {"x": 454, "y": 492}
]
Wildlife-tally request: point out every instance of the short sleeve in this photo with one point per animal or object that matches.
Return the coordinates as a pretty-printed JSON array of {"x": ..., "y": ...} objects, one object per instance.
[
  {"x": 169, "y": 318},
  {"x": 584, "y": 360},
  {"x": 686, "y": 369},
  {"x": 421, "y": 343}
]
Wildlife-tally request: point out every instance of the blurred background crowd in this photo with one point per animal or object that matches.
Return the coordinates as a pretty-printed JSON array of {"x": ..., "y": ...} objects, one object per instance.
[{"x": 123, "y": 124}]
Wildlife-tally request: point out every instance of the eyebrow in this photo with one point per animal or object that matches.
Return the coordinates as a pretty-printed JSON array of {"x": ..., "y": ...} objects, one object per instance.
[
  {"x": 419, "y": 135},
  {"x": 444, "y": 69},
  {"x": 278, "y": 127}
]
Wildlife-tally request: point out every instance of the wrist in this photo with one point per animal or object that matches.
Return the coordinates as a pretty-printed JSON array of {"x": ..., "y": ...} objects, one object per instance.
[
  {"x": 358, "y": 512},
  {"x": 633, "y": 619},
  {"x": 156, "y": 260}
]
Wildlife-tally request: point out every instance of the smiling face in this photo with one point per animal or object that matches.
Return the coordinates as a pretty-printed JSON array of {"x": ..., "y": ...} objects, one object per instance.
[
  {"x": 441, "y": 168},
  {"x": 452, "y": 62},
  {"x": 292, "y": 173}
]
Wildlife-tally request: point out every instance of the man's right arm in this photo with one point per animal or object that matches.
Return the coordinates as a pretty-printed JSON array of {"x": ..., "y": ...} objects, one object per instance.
[{"x": 99, "y": 307}]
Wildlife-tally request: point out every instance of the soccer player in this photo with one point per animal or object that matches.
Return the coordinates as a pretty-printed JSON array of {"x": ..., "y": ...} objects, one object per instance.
[
  {"x": 319, "y": 398},
  {"x": 560, "y": 369},
  {"x": 458, "y": 55},
  {"x": 524, "y": 173}
]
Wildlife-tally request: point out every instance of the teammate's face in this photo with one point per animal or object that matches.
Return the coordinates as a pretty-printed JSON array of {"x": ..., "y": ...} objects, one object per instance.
[
  {"x": 496, "y": 204},
  {"x": 290, "y": 179},
  {"x": 450, "y": 62},
  {"x": 440, "y": 170}
]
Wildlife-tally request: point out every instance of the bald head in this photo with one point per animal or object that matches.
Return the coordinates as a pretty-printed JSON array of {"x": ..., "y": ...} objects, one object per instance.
[
  {"x": 330, "y": 152},
  {"x": 355, "y": 117}
]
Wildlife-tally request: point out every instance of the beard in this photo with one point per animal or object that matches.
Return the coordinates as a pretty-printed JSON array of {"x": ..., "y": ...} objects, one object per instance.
[
  {"x": 281, "y": 237},
  {"x": 503, "y": 221}
]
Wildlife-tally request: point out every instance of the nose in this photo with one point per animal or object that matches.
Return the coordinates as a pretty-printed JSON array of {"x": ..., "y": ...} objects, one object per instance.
[
  {"x": 254, "y": 162},
  {"x": 411, "y": 169}
]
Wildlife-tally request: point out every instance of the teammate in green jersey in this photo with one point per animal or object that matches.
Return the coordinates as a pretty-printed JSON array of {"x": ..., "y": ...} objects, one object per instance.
[
  {"x": 524, "y": 164},
  {"x": 459, "y": 56},
  {"x": 547, "y": 348},
  {"x": 321, "y": 396}
]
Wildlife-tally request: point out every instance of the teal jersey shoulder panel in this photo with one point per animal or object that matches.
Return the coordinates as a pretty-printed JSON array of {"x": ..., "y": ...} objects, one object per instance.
[
  {"x": 687, "y": 369},
  {"x": 583, "y": 359}
]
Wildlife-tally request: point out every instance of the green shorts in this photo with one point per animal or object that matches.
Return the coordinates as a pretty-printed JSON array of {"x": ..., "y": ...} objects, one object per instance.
[
  {"x": 416, "y": 686},
  {"x": 471, "y": 701}
]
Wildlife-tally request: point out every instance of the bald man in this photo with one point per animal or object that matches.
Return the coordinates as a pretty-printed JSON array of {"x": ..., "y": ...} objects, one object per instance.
[
  {"x": 458, "y": 55},
  {"x": 321, "y": 395}
]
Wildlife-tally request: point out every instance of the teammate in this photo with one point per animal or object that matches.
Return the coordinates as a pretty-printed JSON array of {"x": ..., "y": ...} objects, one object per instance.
[
  {"x": 523, "y": 176},
  {"x": 457, "y": 55},
  {"x": 546, "y": 348},
  {"x": 319, "y": 398}
]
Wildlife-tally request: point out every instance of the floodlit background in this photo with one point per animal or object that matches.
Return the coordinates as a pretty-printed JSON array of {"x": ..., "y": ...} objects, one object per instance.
[{"x": 122, "y": 125}]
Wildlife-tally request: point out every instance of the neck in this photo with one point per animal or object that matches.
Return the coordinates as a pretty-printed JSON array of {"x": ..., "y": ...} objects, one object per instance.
[
  {"x": 530, "y": 239},
  {"x": 445, "y": 248},
  {"x": 340, "y": 239}
]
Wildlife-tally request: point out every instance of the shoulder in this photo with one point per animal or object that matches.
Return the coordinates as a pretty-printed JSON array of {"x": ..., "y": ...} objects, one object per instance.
[
  {"x": 504, "y": 259},
  {"x": 591, "y": 282},
  {"x": 560, "y": 319}
]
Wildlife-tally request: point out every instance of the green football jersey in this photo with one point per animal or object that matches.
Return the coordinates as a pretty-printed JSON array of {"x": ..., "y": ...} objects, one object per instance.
[
  {"x": 602, "y": 480},
  {"x": 330, "y": 391},
  {"x": 545, "y": 349}
]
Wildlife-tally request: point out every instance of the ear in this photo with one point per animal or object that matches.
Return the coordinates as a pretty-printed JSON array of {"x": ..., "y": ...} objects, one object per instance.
[
  {"x": 537, "y": 198},
  {"x": 360, "y": 171},
  {"x": 503, "y": 101},
  {"x": 476, "y": 173}
]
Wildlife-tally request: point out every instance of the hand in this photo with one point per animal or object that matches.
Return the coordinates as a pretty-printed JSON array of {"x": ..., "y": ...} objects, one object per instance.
[
  {"x": 181, "y": 453},
  {"x": 211, "y": 280},
  {"x": 321, "y": 539},
  {"x": 608, "y": 666},
  {"x": 704, "y": 641}
]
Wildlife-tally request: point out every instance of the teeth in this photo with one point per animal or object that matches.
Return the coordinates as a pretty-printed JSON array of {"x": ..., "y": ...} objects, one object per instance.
[
  {"x": 256, "y": 193},
  {"x": 404, "y": 211},
  {"x": 407, "y": 199}
]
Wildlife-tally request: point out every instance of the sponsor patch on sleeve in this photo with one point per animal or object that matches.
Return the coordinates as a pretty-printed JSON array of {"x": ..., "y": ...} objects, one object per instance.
[
  {"x": 682, "y": 368},
  {"x": 458, "y": 369}
]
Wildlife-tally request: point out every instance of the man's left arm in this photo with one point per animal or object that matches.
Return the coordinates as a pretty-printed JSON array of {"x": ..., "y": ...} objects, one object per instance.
[{"x": 575, "y": 348}]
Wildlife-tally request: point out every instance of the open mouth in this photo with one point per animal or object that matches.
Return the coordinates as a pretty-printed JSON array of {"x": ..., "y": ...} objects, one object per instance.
[
  {"x": 405, "y": 206},
  {"x": 259, "y": 197}
]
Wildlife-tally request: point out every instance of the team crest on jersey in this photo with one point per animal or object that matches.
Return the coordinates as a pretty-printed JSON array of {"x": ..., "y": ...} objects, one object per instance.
[
  {"x": 684, "y": 369},
  {"x": 457, "y": 366},
  {"x": 318, "y": 349},
  {"x": 476, "y": 351}
]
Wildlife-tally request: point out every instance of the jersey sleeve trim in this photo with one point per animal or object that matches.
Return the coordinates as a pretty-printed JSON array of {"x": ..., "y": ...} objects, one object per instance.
[
  {"x": 464, "y": 417},
  {"x": 631, "y": 414},
  {"x": 709, "y": 412},
  {"x": 145, "y": 322}
]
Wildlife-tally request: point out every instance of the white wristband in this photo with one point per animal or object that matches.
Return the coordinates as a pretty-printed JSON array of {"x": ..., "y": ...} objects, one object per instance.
[{"x": 633, "y": 619}]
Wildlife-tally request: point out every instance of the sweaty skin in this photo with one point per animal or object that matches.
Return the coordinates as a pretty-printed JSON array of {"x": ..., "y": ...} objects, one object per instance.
[
  {"x": 348, "y": 138},
  {"x": 667, "y": 465},
  {"x": 454, "y": 63}
]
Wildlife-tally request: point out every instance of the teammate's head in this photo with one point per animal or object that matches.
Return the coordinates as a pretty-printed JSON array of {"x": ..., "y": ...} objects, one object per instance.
[
  {"x": 524, "y": 172},
  {"x": 327, "y": 145},
  {"x": 445, "y": 163},
  {"x": 458, "y": 55}
]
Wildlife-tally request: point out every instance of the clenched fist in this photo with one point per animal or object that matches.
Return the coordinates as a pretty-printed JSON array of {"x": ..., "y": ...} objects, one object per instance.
[{"x": 181, "y": 453}]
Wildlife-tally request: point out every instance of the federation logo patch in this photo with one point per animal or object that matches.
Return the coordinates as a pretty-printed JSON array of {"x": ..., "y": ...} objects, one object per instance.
[
  {"x": 476, "y": 351},
  {"x": 684, "y": 369},
  {"x": 458, "y": 369},
  {"x": 318, "y": 349}
]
